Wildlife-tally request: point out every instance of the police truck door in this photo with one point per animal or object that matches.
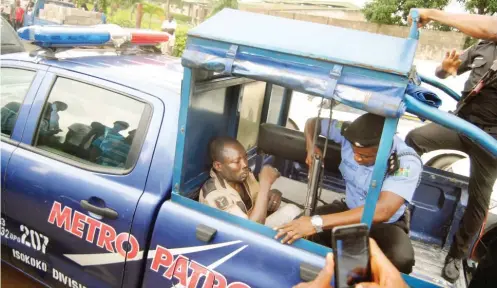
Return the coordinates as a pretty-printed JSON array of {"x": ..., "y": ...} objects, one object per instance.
[{"x": 73, "y": 184}]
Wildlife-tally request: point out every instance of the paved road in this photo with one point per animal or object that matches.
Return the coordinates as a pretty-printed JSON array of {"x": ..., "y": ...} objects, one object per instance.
[{"x": 12, "y": 278}]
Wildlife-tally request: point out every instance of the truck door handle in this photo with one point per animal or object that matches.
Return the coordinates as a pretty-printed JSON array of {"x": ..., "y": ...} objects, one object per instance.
[
  {"x": 205, "y": 233},
  {"x": 104, "y": 212},
  {"x": 308, "y": 272}
]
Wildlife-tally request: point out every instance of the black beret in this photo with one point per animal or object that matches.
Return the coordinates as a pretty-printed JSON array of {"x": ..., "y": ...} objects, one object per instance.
[{"x": 365, "y": 131}]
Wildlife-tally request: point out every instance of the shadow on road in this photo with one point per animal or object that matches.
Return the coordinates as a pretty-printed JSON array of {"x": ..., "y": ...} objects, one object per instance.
[{"x": 12, "y": 278}]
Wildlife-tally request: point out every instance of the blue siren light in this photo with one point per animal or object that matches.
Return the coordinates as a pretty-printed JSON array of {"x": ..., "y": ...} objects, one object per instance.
[{"x": 64, "y": 36}]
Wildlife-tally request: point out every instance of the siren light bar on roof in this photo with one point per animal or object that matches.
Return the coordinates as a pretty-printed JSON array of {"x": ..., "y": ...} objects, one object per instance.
[{"x": 99, "y": 35}]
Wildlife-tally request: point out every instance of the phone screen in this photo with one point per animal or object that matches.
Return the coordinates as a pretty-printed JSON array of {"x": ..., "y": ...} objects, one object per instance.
[{"x": 352, "y": 260}]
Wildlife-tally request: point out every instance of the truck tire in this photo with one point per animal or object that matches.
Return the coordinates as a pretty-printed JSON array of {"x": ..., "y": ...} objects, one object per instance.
[{"x": 444, "y": 161}]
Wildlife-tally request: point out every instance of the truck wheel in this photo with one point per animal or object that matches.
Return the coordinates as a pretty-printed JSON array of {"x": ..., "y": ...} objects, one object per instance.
[{"x": 444, "y": 162}]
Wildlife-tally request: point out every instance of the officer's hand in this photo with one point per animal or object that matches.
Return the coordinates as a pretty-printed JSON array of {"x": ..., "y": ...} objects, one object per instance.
[
  {"x": 384, "y": 273},
  {"x": 451, "y": 62},
  {"x": 424, "y": 17},
  {"x": 268, "y": 175},
  {"x": 295, "y": 230},
  {"x": 308, "y": 159},
  {"x": 274, "y": 200},
  {"x": 323, "y": 279}
]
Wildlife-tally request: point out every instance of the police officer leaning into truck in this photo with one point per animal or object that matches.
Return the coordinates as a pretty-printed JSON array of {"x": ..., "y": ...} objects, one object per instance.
[
  {"x": 481, "y": 111},
  {"x": 359, "y": 143}
]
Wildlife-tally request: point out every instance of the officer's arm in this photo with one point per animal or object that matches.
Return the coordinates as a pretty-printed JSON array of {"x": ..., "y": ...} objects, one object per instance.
[
  {"x": 310, "y": 127},
  {"x": 387, "y": 205},
  {"x": 329, "y": 129},
  {"x": 477, "y": 26}
]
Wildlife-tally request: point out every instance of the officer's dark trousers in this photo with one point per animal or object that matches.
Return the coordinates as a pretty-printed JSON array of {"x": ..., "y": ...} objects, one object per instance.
[
  {"x": 391, "y": 238},
  {"x": 482, "y": 177}
]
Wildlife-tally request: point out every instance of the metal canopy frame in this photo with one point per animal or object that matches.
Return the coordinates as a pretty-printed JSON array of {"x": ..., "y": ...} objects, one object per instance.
[
  {"x": 207, "y": 44},
  {"x": 231, "y": 49}
]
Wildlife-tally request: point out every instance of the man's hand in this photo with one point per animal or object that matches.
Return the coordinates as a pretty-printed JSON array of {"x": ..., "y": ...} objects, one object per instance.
[
  {"x": 268, "y": 175},
  {"x": 424, "y": 17},
  {"x": 274, "y": 200},
  {"x": 451, "y": 63},
  {"x": 310, "y": 152},
  {"x": 323, "y": 279},
  {"x": 477, "y": 26},
  {"x": 295, "y": 230},
  {"x": 383, "y": 271}
]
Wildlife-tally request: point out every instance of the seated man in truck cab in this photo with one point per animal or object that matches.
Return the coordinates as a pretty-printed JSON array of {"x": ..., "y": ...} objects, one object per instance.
[
  {"x": 359, "y": 145},
  {"x": 234, "y": 189}
]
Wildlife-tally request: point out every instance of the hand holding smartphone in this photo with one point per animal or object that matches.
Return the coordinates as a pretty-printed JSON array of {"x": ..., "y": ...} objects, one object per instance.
[
  {"x": 370, "y": 267},
  {"x": 351, "y": 254}
]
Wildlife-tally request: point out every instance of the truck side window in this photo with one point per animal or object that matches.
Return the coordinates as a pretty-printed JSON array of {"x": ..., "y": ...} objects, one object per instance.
[
  {"x": 15, "y": 85},
  {"x": 273, "y": 114},
  {"x": 250, "y": 113},
  {"x": 91, "y": 125}
]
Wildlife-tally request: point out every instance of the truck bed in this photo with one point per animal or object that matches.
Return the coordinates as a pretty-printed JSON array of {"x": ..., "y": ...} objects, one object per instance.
[
  {"x": 429, "y": 258},
  {"x": 429, "y": 262}
]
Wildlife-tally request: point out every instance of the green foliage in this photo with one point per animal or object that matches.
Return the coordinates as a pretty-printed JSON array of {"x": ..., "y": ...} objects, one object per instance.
[
  {"x": 180, "y": 18},
  {"x": 81, "y": 2},
  {"x": 382, "y": 12},
  {"x": 151, "y": 10},
  {"x": 126, "y": 17},
  {"x": 125, "y": 23},
  {"x": 221, "y": 4},
  {"x": 103, "y": 4},
  {"x": 482, "y": 7},
  {"x": 469, "y": 41},
  {"x": 395, "y": 12},
  {"x": 180, "y": 42}
]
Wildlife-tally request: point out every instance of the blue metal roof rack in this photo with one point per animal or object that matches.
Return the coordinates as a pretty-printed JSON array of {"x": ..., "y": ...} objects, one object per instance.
[
  {"x": 319, "y": 62},
  {"x": 309, "y": 40}
]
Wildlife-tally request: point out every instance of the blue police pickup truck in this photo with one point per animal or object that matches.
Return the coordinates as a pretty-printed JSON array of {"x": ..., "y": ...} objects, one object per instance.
[
  {"x": 104, "y": 152},
  {"x": 33, "y": 17}
]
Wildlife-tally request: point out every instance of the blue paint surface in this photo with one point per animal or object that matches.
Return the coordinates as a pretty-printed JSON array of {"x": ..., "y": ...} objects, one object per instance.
[
  {"x": 144, "y": 198},
  {"x": 310, "y": 40}
]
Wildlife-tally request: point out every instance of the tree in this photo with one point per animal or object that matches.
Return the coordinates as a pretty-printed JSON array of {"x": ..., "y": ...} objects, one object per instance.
[
  {"x": 221, "y": 4},
  {"x": 482, "y": 7},
  {"x": 395, "y": 12},
  {"x": 102, "y": 4},
  {"x": 152, "y": 10}
]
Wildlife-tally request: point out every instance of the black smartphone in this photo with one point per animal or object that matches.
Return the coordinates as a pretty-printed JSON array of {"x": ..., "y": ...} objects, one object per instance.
[{"x": 351, "y": 253}]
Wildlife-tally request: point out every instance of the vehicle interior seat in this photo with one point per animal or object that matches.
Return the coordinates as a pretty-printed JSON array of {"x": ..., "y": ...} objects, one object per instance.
[
  {"x": 9, "y": 116},
  {"x": 288, "y": 144}
]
